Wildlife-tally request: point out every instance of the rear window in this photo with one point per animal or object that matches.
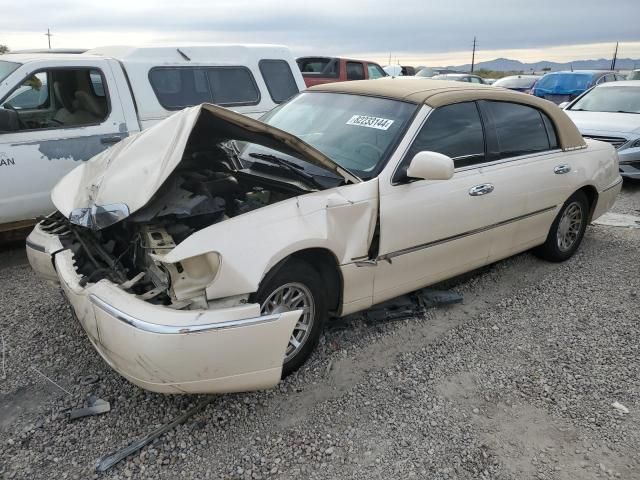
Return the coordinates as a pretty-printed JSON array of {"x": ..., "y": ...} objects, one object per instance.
[
  {"x": 564, "y": 83},
  {"x": 324, "y": 66},
  {"x": 279, "y": 79},
  {"x": 182, "y": 87},
  {"x": 515, "y": 82}
]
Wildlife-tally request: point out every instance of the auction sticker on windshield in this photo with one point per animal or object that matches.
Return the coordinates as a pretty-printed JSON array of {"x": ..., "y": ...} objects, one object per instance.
[{"x": 370, "y": 122}]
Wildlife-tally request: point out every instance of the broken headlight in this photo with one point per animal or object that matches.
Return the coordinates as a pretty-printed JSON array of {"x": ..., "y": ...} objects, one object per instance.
[{"x": 191, "y": 276}]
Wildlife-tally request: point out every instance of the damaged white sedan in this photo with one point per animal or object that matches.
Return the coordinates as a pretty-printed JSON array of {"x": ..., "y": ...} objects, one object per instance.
[{"x": 205, "y": 253}]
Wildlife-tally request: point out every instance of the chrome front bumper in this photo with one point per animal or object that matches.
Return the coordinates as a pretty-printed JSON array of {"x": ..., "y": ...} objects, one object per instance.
[{"x": 166, "y": 350}]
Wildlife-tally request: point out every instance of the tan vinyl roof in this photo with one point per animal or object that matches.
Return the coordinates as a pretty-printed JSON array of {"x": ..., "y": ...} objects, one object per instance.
[{"x": 437, "y": 93}]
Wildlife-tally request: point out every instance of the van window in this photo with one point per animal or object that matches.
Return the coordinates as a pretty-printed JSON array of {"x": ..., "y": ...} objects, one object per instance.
[
  {"x": 520, "y": 129},
  {"x": 182, "y": 87},
  {"x": 59, "y": 98},
  {"x": 279, "y": 79}
]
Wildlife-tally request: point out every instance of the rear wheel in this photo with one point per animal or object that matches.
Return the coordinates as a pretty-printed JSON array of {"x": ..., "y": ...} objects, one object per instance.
[
  {"x": 296, "y": 286},
  {"x": 567, "y": 230}
]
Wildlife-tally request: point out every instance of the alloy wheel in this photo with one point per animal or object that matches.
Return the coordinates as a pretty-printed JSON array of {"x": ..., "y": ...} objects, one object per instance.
[
  {"x": 569, "y": 226},
  {"x": 288, "y": 297}
]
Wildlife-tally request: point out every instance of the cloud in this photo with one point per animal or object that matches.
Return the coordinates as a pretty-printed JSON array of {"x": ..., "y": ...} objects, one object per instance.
[{"x": 412, "y": 27}]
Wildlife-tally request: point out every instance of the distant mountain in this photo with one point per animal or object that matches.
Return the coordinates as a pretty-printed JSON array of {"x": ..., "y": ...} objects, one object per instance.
[{"x": 509, "y": 65}]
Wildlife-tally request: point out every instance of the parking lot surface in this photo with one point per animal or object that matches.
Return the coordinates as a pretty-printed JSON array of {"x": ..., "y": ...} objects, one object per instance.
[{"x": 516, "y": 382}]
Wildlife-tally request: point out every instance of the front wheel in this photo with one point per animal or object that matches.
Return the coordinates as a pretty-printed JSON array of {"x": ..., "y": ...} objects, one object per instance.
[
  {"x": 296, "y": 286},
  {"x": 567, "y": 230}
]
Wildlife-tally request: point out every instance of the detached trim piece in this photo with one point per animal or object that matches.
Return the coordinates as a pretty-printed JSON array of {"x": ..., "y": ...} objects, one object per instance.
[
  {"x": 404, "y": 251},
  {"x": 175, "y": 329}
]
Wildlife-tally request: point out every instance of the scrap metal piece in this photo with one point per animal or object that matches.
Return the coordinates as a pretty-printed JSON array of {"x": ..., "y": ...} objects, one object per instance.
[
  {"x": 428, "y": 297},
  {"x": 96, "y": 406},
  {"x": 109, "y": 460}
]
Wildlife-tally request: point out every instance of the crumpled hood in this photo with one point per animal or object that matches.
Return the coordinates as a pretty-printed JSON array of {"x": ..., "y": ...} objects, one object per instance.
[
  {"x": 620, "y": 123},
  {"x": 132, "y": 171}
]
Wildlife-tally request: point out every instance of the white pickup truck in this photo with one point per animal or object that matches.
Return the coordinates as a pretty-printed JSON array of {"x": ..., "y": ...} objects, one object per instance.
[{"x": 57, "y": 110}]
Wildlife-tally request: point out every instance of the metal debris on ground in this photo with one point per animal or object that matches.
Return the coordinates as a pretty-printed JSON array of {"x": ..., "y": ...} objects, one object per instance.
[
  {"x": 95, "y": 406},
  {"x": 88, "y": 380},
  {"x": 108, "y": 461},
  {"x": 402, "y": 307},
  {"x": 411, "y": 305},
  {"x": 619, "y": 407}
]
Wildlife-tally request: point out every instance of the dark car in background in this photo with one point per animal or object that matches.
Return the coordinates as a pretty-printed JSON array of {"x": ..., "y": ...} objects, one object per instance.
[
  {"x": 560, "y": 87},
  {"x": 318, "y": 70},
  {"x": 461, "y": 77},
  {"x": 520, "y": 83}
]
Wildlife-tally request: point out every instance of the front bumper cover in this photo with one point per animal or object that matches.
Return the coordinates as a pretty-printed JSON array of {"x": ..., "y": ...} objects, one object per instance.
[{"x": 166, "y": 350}]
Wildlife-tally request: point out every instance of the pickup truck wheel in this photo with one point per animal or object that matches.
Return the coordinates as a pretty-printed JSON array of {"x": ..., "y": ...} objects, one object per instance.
[
  {"x": 296, "y": 286},
  {"x": 567, "y": 230}
]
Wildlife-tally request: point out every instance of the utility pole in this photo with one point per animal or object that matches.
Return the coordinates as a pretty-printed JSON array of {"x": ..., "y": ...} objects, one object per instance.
[
  {"x": 473, "y": 54},
  {"x": 615, "y": 57},
  {"x": 49, "y": 35}
]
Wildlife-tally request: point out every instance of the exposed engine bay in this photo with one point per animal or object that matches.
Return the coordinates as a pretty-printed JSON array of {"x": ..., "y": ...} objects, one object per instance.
[{"x": 202, "y": 191}]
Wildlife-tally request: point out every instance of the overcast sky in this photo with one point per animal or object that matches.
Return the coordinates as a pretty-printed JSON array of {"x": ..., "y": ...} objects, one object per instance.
[{"x": 413, "y": 31}]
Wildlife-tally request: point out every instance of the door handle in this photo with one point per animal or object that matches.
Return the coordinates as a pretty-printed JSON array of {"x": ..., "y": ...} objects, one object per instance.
[
  {"x": 111, "y": 139},
  {"x": 482, "y": 189},
  {"x": 560, "y": 169}
]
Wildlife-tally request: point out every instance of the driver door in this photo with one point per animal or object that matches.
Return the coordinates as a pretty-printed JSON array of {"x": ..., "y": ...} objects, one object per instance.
[
  {"x": 66, "y": 115},
  {"x": 433, "y": 230}
]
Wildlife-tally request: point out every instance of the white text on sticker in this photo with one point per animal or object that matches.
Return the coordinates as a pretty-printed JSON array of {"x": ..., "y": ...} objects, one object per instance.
[{"x": 371, "y": 122}]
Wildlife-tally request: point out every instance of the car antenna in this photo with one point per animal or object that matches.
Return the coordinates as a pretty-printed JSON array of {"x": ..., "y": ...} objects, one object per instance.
[{"x": 183, "y": 55}]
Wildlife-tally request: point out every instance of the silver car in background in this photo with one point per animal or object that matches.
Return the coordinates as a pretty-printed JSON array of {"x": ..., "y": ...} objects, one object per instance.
[{"x": 610, "y": 112}]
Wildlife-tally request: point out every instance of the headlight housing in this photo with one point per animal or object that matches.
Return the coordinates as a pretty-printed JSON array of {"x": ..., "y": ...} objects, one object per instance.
[{"x": 191, "y": 276}]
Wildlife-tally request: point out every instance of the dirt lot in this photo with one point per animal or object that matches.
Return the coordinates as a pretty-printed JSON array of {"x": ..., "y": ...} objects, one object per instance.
[{"x": 515, "y": 383}]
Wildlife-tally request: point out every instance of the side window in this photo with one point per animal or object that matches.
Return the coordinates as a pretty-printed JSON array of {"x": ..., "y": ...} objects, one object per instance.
[
  {"x": 475, "y": 80},
  {"x": 551, "y": 132},
  {"x": 520, "y": 129},
  {"x": 177, "y": 88},
  {"x": 70, "y": 97},
  {"x": 355, "y": 71},
  {"x": 233, "y": 86},
  {"x": 375, "y": 71},
  {"x": 453, "y": 130},
  {"x": 279, "y": 79}
]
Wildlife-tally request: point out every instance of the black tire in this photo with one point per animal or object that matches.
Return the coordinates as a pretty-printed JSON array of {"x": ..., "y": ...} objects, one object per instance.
[
  {"x": 295, "y": 273},
  {"x": 555, "y": 249}
]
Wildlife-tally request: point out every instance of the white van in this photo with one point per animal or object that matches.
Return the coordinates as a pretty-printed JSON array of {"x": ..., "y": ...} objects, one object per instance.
[{"x": 57, "y": 109}]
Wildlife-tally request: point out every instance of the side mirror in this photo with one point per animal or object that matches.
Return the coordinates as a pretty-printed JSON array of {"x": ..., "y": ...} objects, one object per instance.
[
  {"x": 430, "y": 166},
  {"x": 9, "y": 121},
  {"x": 563, "y": 105}
]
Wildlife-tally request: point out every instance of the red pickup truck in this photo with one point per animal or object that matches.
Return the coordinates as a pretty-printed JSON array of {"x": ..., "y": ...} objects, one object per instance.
[{"x": 317, "y": 70}]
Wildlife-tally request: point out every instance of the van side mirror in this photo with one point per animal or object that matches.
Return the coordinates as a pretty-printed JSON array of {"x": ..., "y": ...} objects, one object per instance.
[
  {"x": 9, "y": 121},
  {"x": 430, "y": 166}
]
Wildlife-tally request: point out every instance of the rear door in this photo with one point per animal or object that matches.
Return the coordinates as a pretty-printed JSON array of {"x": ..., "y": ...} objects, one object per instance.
[
  {"x": 68, "y": 112},
  {"x": 524, "y": 154}
]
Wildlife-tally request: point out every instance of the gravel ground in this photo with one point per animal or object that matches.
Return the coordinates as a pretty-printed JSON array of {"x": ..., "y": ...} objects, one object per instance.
[{"x": 515, "y": 383}]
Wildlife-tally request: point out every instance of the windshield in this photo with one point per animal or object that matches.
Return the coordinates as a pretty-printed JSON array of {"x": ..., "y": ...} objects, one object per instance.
[
  {"x": 610, "y": 99},
  {"x": 356, "y": 132},
  {"x": 426, "y": 72},
  {"x": 6, "y": 68},
  {"x": 515, "y": 82},
  {"x": 635, "y": 75},
  {"x": 564, "y": 83}
]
